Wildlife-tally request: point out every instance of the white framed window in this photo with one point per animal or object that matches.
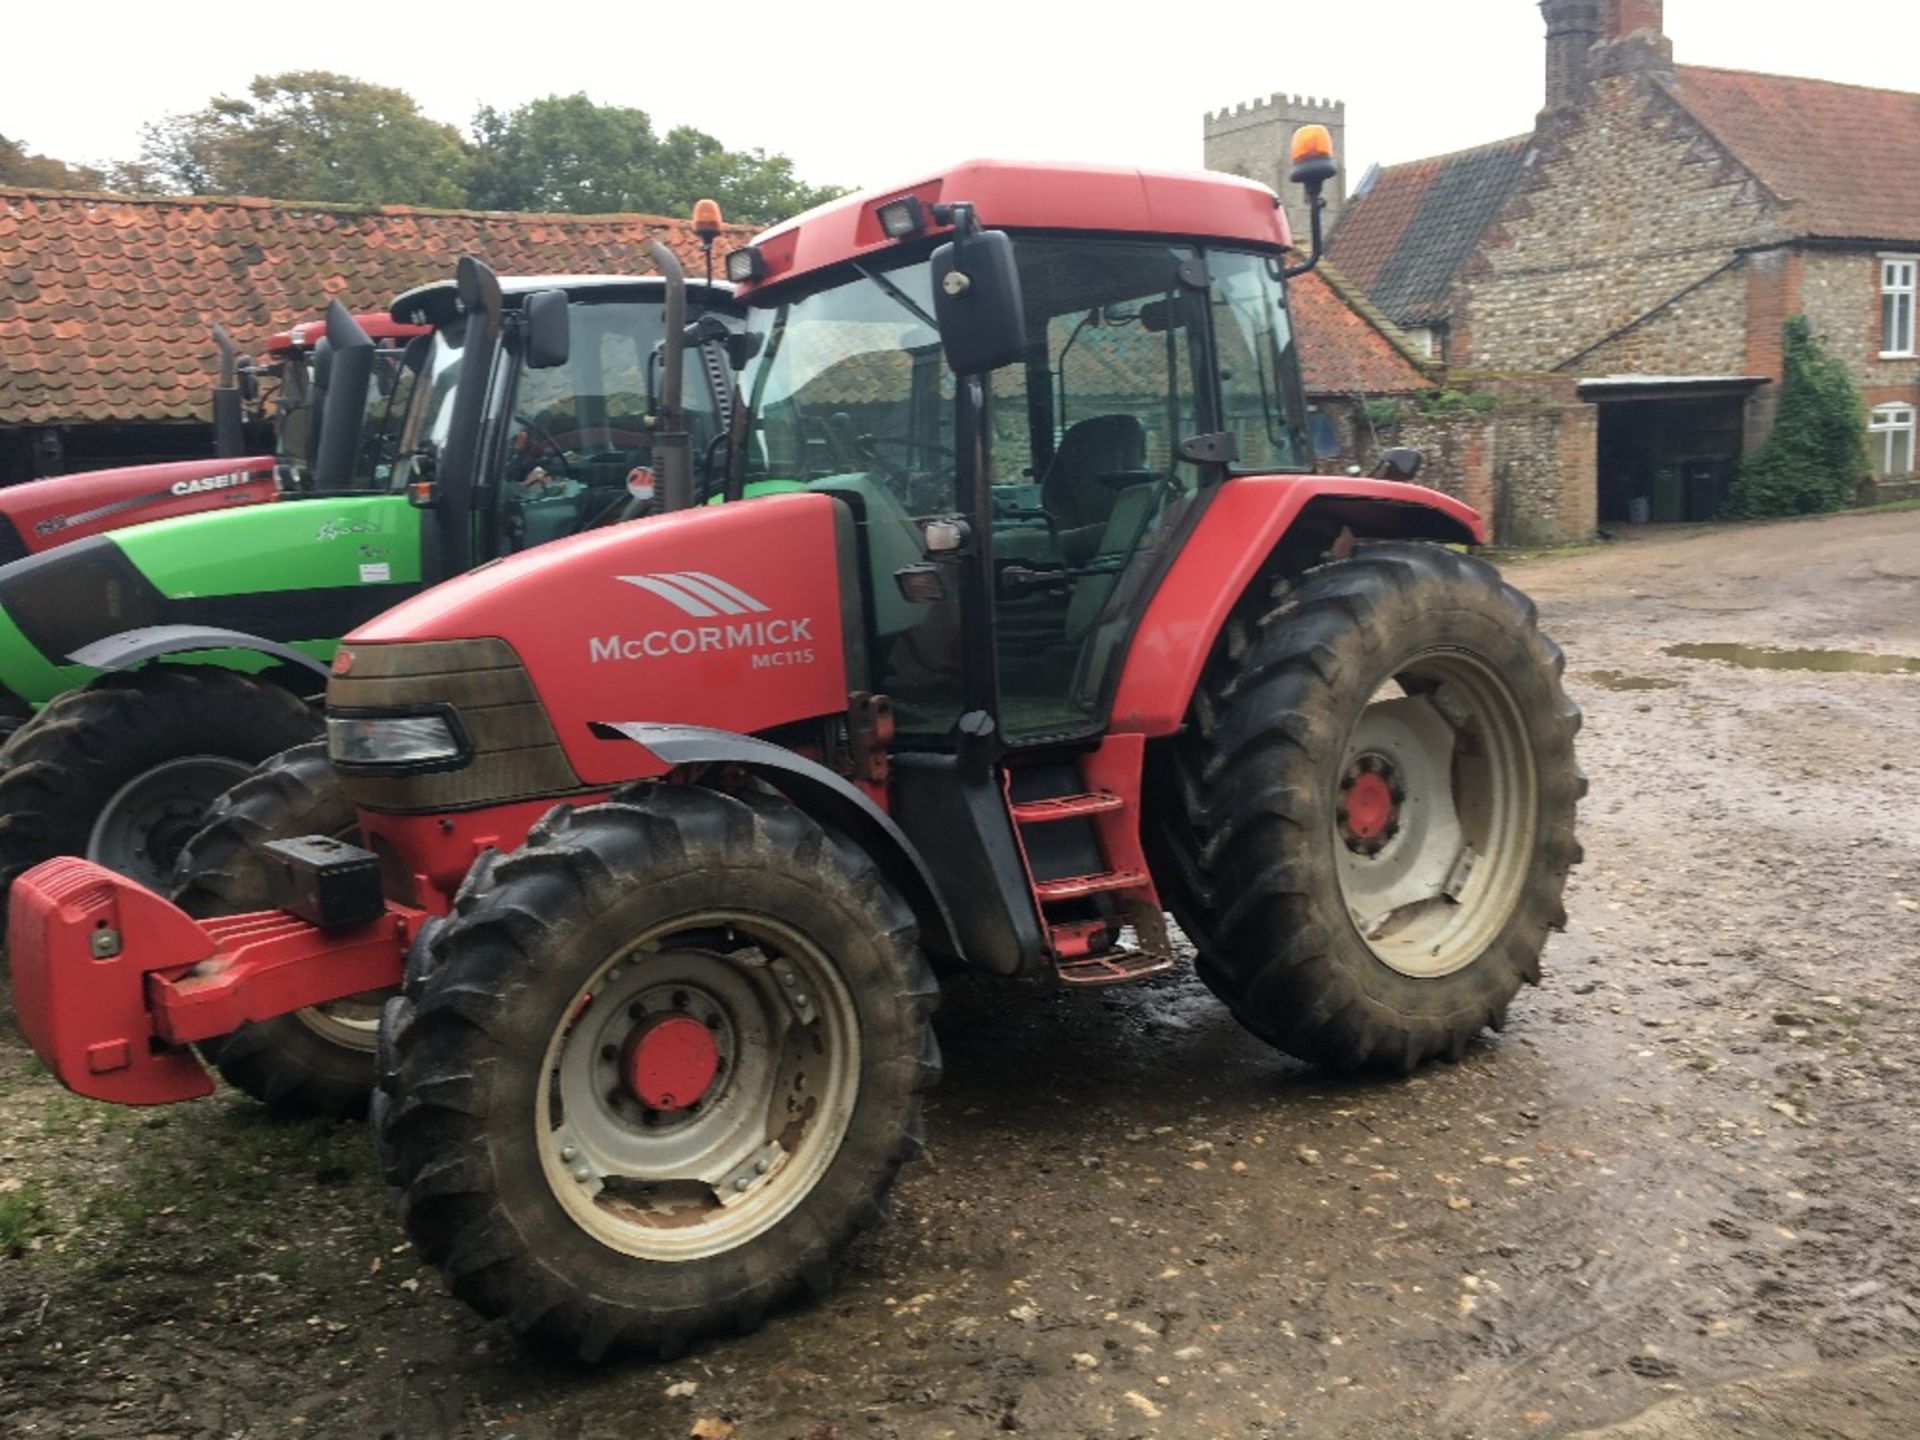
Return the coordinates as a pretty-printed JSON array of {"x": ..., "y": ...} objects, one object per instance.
[
  {"x": 1890, "y": 439},
  {"x": 1897, "y": 274}
]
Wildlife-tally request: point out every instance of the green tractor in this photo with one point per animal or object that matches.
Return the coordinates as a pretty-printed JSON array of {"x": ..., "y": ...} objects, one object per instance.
[{"x": 166, "y": 660}]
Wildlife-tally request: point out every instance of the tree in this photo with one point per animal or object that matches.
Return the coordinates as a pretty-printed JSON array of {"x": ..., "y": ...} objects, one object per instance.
[
  {"x": 18, "y": 167},
  {"x": 1817, "y": 454},
  {"x": 566, "y": 153},
  {"x": 307, "y": 135}
]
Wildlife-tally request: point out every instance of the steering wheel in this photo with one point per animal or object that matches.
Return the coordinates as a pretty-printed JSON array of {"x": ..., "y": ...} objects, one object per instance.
[{"x": 549, "y": 444}]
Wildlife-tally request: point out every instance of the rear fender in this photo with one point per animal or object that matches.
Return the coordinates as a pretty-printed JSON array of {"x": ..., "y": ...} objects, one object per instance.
[
  {"x": 1249, "y": 524},
  {"x": 150, "y": 642},
  {"x": 825, "y": 796}
]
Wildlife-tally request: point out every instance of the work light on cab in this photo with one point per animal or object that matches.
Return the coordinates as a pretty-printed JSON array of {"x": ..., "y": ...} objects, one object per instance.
[
  {"x": 746, "y": 265},
  {"x": 393, "y": 740},
  {"x": 903, "y": 217}
]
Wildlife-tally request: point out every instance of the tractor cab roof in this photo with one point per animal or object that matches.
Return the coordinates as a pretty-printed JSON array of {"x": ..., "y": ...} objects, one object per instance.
[
  {"x": 439, "y": 302},
  {"x": 1029, "y": 195},
  {"x": 379, "y": 325}
]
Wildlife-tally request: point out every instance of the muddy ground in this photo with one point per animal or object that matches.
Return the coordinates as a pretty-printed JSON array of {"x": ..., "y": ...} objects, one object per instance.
[{"x": 1683, "y": 1182}]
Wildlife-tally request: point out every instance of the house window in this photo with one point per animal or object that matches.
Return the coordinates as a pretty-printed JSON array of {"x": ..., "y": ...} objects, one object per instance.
[
  {"x": 1896, "y": 304},
  {"x": 1890, "y": 438}
]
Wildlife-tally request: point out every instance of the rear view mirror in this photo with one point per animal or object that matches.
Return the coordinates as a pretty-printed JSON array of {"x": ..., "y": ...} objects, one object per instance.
[
  {"x": 1400, "y": 463},
  {"x": 976, "y": 298},
  {"x": 548, "y": 336}
]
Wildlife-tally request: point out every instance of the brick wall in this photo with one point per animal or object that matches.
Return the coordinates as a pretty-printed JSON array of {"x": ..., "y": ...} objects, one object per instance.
[
  {"x": 1628, "y": 206},
  {"x": 1527, "y": 465}
]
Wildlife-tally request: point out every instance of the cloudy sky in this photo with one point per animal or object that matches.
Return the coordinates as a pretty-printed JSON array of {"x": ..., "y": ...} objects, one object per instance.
[{"x": 862, "y": 94}]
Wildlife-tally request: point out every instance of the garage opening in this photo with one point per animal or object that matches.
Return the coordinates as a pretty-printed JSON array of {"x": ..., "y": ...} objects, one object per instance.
[{"x": 1669, "y": 445}]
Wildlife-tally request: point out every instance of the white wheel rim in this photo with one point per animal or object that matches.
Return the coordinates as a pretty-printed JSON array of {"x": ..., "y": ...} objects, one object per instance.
[
  {"x": 1433, "y": 884},
  {"x": 711, "y": 1176}
]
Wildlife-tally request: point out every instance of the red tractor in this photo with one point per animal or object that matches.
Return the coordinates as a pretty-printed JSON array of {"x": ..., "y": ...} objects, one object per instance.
[{"x": 1007, "y": 621}]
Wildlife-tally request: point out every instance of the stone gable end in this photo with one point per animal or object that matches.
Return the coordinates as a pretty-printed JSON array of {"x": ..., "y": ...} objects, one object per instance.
[{"x": 1628, "y": 205}]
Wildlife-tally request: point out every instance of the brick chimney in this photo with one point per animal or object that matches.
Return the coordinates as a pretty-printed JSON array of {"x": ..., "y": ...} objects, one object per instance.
[
  {"x": 1574, "y": 27},
  {"x": 1584, "y": 42}
]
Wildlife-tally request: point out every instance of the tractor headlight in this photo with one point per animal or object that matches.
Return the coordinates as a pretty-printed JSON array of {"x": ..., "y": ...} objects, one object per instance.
[{"x": 396, "y": 742}]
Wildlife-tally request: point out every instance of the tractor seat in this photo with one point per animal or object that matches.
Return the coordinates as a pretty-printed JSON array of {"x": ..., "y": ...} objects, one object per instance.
[{"x": 1099, "y": 445}]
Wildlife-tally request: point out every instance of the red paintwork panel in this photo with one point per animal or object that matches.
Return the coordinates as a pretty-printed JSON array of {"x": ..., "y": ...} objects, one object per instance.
[
  {"x": 1241, "y": 526},
  {"x": 115, "y": 1026},
  {"x": 440, "y": 849},
  {"x": 87, "y": 1018},
  {"x": 61, "y": 508},
  {"x": 1024, "y": 196},
  {"x": 725, "y": 615},
  {"x": 381, "y": 328}
]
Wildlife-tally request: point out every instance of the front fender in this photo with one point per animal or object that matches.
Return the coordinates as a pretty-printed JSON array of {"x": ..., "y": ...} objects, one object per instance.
[
  {"x": 824, "y": 795},
  {"x": 1244, "y": 523},
  {"x": 149, "y": 642}
]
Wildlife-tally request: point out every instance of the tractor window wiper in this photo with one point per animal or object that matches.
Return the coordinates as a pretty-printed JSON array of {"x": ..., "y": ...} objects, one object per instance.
[{"x": 895, "y": 293}]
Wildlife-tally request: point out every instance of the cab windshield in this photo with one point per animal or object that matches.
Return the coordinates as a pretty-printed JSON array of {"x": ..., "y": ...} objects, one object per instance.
[
  {"x": 1134, "y": 346},
  {"x": 429, "y": 411}
]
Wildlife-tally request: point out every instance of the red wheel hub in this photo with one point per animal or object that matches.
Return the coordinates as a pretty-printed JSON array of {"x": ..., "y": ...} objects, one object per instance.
[
  {"x": 1369, "y": 806},
  {"x": 671, "y": 1062}
]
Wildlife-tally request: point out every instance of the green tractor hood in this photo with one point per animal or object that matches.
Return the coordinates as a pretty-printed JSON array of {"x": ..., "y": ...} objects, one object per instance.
[{"x": 250, "y": 589}]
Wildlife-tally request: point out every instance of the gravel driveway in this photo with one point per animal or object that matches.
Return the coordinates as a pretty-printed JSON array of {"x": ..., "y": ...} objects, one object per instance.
[{"x": 1684, "y": 1178}]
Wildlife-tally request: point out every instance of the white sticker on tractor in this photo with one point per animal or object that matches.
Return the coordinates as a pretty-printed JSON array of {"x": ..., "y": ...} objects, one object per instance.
[{"x": 375, "y": 574}]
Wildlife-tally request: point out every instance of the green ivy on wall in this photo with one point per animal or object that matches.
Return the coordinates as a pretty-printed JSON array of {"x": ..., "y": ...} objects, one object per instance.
[{"x": 1817, "y": 454}]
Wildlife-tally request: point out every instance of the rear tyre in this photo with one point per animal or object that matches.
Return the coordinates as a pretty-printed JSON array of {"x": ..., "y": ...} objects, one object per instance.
[
  {"x": 318, "y": 1061},
  {"x": 661, "y": 1066},
  {"x": 1367, "y": 826},
  {"x": 123, "y": 770}
]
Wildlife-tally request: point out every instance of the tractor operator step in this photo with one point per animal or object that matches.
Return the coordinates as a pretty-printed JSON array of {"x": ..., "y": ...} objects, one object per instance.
[
  {"x": 1076, "y": 887},
  {"x": 1114, "y": 967},
  {"x": 1066, "y": 807}
]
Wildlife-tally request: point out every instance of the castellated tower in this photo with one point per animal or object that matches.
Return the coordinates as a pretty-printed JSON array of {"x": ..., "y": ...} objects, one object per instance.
[{"x": 1255, "y": 139}]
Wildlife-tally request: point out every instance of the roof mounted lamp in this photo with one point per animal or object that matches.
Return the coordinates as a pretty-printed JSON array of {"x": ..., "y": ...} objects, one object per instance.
[
  {"x": 1312, "y": 167},
  {"x": 706, "y": 229}
]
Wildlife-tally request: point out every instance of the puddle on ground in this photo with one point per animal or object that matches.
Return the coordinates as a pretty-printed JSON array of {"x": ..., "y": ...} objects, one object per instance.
[
  {"x": 1620, "y": 680},
  {"x": 1765, "y": 657}
]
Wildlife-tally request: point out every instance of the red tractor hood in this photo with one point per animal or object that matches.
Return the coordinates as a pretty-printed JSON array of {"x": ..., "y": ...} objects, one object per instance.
[
  {"x": 45, "y": 513},
  {"x": 729, "y": 616}
]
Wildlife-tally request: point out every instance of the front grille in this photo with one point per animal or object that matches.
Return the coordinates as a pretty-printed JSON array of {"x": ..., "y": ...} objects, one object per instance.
[{"x": 516, "y": 755}]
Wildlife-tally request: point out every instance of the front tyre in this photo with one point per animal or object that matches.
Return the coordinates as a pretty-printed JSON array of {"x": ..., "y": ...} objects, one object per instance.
[
  {"x": 316, "y": 1061},
  {"x": 660, "y": 1066},
  {"x": 1367, "y": 827}
]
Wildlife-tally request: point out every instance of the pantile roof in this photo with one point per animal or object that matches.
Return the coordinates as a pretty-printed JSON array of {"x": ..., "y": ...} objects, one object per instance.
[
  {"x": 1404, "y": 239},
  {"x": 106, "y": 302},
  {"x": 1347, "y": 347},
  {"x": 1844, "y": 159}
]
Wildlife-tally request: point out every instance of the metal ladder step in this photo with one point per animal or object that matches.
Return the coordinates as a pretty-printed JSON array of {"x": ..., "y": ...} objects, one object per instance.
[
  {"x": 1114, "y": 967},
  {"x": 1076, "y": 887},
  {"x": 1066, "y": 807}
]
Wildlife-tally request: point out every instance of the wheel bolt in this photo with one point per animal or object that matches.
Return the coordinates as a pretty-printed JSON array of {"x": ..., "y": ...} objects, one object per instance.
[
  {"x": 759, "y": 1167},
  {"x": 582, "y": 1173},
  {"x": 789, "y": 979},
  {"x": 1397, "y": 794},
  {"x": 1341, "y": 814},
  {"x": 568, "y": 1152},
  {"x": 1346, "y": 781},
  {"x": 800, "y": 997},
  {"x": 742, "y": 1183}
]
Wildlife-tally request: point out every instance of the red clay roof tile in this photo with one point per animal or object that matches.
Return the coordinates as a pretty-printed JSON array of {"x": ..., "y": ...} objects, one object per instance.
[
  {"x": 157, "y": 274},
  {"x": 1844, "y": 159}
]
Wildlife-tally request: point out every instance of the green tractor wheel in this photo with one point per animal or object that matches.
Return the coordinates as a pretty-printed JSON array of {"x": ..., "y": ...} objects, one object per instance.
[{"x": 123, "y": 770}]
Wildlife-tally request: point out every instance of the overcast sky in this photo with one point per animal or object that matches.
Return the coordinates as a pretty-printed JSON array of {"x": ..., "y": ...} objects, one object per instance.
[{"x": 870, "y": 95}]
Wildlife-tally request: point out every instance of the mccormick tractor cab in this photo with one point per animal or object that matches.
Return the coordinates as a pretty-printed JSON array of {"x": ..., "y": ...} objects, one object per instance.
[
  {"x": 171, "y": 658},
  {"x": 1018, "y": 623}
]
